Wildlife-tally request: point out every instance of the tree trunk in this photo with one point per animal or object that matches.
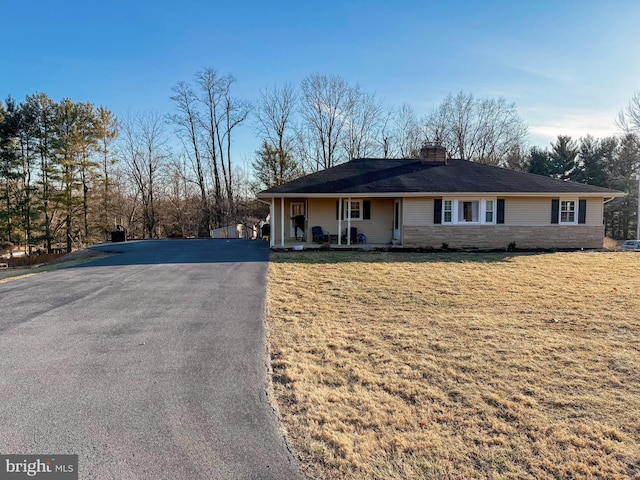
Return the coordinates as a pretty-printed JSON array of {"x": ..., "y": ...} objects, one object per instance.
[{"x": 85, "y": 203}]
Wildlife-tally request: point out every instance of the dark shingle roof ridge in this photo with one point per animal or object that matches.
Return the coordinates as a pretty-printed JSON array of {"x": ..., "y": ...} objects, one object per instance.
[
  {"x": 382, "y": 159},
  {"x": 539, "y": 176},
  {"x": 412, "y": 175}
]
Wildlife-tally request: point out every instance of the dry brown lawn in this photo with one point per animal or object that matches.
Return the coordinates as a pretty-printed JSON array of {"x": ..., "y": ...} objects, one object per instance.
[{"x": 456, "y": 366}]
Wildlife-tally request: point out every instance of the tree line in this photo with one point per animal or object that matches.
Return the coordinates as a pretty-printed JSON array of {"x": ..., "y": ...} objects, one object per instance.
[
  {"x": 54, "y": 165},
  {"x": 70, "y": 173},
  {"x": 326, "y": 122}
]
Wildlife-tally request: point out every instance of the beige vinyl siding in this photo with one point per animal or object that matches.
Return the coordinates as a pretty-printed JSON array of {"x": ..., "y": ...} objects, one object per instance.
[
  {"x": 519, "y": 211},
  {"x": 527, "y": 211},
  {"x": 417, "y": 212},
  {"x": 322, "y": 212},
  {"x": 595, "y": 211},
  {"x": 537, "y": 211},
  {"x": 380, "y": 228}
]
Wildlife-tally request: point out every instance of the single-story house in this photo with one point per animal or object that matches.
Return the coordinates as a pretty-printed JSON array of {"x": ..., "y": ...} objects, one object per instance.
[{"x": 433, "y": 201}]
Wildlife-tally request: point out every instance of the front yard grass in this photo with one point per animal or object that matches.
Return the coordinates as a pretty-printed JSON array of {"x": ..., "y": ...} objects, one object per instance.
[{"x": 448, "y": 366}]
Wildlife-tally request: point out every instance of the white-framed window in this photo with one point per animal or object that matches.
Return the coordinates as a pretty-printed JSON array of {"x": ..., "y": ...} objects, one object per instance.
[
  {"x": 360, "y": 209},
  {"x": 447, "y": 211},
  {"x": 356, "y": 209},
  {"x": 475, "y": 211},
  {"x": 568, "y": 211},
  {"x": 489, "y": 212}
]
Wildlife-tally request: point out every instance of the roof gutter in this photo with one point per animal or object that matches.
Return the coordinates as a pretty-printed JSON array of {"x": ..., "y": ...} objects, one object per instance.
[{"x": 606, "y": 195}]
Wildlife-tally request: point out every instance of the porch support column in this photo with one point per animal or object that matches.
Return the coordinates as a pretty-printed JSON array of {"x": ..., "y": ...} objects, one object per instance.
[
  {"x": 272, "y": 218},
  {"x": 340, "y": 221},
  {"x": 307, "y": 229},
  {"x": 282, "y": 221},
  {"x": 349, "y": 221}
]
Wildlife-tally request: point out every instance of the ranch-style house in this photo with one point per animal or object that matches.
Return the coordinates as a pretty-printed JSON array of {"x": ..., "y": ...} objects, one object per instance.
[{"x": 431, "y": 202}]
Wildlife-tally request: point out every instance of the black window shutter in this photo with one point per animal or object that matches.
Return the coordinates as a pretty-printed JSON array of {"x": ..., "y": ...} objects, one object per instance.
[
  {"x": 555, "y": 210},
  {"x": 437, "y": 210},
  {"x": 582, "y": 211},
  {"x": 500, "y": 212},
  {"x": 366, "y": 209}
]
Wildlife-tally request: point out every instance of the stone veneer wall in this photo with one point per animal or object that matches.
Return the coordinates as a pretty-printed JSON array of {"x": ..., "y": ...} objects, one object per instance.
[{"x": 500, "y": 236}]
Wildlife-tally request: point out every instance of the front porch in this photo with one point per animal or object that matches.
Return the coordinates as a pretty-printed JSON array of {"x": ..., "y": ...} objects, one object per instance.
[
  {"x": 311, "y": 246},
  {"x": 347, "y": 223}
]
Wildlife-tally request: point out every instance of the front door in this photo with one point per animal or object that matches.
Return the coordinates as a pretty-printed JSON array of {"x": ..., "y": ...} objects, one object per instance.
[
  {"x": 296, "y": 209},
  {"x": 396, "y": 220}
]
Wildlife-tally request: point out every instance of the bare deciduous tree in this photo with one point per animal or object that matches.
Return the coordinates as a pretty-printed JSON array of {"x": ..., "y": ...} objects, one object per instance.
[
  {"x": 207, "y": 116},
  {"x": 326, "y": 103},
  {"x": 484, "y": 131},
  {"x": 223, "y": 113},
  {"x": 274, "y": 112},
  {"x": 407, "y": 136},
  {"x": 181, "y": 198},
  {"x": 629, "y": 120},
  {"x": 363, "y": 124},
  {"x": 189, "y": 126},
  {"x": 275, "y": 162},
  {"x": 144, "y": 150}
]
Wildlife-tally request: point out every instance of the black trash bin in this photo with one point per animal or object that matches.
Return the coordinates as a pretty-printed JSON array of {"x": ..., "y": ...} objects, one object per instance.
[{"x": 119, "y": 235}]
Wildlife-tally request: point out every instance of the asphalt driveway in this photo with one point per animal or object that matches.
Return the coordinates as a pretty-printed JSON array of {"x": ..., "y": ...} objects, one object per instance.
[{"x": 149, "y": 364}]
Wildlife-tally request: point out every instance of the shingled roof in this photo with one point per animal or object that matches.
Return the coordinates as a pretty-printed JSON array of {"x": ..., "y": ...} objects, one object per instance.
[{"x": 380, "y": 177}]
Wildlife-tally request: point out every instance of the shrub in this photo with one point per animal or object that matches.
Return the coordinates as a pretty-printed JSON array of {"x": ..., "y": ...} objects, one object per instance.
[
  {"x": 609, "y": 243},
  {"x": 5, "y": 247}
]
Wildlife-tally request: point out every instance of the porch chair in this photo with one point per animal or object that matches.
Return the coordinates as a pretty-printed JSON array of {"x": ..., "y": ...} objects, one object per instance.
[
  {"x": 318, "y": 235},
  {"x": 354, "y": 235}
]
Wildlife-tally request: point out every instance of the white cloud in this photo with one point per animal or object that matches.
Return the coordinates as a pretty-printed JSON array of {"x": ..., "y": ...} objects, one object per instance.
[{"x": 575, "y": 124}]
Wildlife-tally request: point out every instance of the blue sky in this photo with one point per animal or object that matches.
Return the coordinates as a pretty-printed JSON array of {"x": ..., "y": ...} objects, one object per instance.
[{"x": 569, "y": 66}]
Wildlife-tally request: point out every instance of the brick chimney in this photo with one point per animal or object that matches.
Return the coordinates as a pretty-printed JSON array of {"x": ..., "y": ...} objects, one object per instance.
[{"x": 433, "y": 152}]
